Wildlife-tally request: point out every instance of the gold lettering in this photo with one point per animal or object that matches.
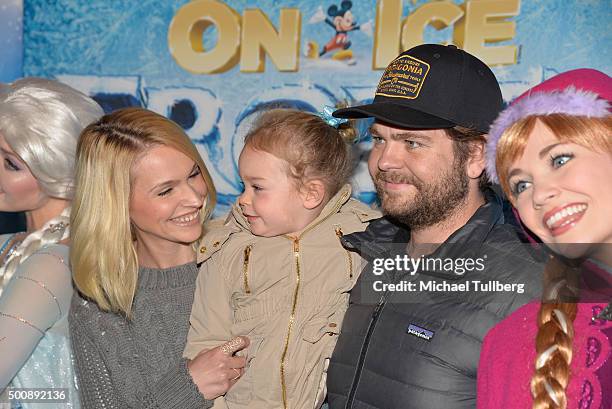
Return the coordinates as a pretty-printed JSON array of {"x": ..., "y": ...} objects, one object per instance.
[
  {"x": 439, "y": 14},
  {"x": 185, "y": 37},
  {"x": 485, "y": 22},
  {"x": 477, "y": 24},
  {"x": 387, "y": 33},
  {"x": 259, "y": 37}
]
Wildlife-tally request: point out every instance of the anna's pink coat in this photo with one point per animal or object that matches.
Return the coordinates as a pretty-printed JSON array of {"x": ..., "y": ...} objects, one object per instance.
[{"x": 507, "y": 361}]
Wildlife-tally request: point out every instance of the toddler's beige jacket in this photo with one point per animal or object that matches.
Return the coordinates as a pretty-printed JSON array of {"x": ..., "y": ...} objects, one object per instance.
[{"x": 288, "y": 295}]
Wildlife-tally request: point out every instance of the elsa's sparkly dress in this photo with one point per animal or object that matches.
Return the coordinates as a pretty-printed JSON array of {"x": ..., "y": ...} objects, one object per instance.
[{"x": 34, "y": 341}]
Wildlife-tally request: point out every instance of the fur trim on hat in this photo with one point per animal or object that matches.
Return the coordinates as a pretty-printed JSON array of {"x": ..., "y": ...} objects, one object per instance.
[{"x": 570, "y": 101}]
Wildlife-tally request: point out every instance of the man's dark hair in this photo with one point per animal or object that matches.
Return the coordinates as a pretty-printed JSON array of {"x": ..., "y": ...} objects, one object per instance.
[{"x": 465, "y": 142}]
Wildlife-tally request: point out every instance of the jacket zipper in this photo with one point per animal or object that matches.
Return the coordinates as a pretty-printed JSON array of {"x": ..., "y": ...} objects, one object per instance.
[
  {"x": 245, "y": 268},
  {"x": 296, "y": 255},
  {"x": 364, "y": 350},
  {"x": 348, "y": 254}
]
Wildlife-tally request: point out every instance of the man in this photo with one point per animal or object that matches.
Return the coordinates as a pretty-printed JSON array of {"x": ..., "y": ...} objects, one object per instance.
[{"x": 418, "y": 347}]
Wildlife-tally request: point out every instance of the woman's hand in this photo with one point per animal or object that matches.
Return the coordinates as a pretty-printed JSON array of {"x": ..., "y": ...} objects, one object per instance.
[{"x": 216, "y": 370}]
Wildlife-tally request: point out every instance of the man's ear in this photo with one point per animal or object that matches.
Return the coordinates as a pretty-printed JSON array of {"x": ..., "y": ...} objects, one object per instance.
[
  {"x": 313, "y": 193},
  {"x": 476, "y": 162}
]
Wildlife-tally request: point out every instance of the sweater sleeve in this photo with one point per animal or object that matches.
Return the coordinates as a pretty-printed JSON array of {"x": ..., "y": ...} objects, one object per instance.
[
  {"x": 175, "y": 389},
  {"x": 93, "y": 378}
]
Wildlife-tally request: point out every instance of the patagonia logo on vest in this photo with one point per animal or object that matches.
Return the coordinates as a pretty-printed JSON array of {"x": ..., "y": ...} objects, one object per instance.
[{"x": 419, "y": 332}]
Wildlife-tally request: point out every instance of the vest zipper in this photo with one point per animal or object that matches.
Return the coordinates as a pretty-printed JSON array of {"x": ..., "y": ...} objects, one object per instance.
[{"x": 364, "y": 350}]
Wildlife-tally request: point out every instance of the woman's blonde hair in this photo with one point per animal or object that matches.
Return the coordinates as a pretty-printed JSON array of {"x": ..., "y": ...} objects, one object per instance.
[
  {"x": 555, "y": 337},
  {"x": 103, "y": 255}
]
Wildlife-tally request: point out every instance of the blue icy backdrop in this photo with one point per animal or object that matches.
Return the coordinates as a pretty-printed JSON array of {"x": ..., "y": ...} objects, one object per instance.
[
  {"x": 11, "y": 50},
  {"x": 118, "y": 52}
]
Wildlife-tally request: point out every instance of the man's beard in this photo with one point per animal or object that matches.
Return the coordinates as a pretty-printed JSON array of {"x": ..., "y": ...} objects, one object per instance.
[{"x": 433, "y": 203}]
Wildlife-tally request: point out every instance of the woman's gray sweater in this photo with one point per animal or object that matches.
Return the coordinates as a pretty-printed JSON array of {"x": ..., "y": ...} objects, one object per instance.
[{"x": 138, "y": 363}]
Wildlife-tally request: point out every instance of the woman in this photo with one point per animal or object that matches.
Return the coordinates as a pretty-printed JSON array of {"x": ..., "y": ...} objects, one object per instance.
[
  {"x": 551, "y": 151},
  {"x": 40, "y": 122},
  {"x": 142, "y": 194}
]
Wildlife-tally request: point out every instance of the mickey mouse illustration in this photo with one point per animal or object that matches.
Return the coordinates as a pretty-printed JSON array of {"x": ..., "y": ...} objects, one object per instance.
[
  {"x": 341, "y": 19},
  {"x": 343, "y": 22}
]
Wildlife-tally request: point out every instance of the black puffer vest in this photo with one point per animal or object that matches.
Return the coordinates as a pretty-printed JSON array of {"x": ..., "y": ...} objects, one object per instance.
[{"x": 420, "y": 349}]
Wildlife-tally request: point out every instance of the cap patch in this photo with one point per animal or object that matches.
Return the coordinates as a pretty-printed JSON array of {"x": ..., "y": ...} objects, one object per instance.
[{"x": 403, "y": 78}]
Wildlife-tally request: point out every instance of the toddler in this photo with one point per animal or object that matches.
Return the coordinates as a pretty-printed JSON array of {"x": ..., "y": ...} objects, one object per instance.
[{"x": 276, "y": 271}]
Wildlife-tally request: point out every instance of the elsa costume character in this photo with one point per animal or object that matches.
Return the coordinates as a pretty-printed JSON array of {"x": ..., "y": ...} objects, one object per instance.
[{"x": 40, "y": 122}]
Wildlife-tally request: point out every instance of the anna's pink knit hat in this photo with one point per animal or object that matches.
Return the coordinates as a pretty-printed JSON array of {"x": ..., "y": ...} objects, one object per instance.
[{"x": 581, "y": 92}]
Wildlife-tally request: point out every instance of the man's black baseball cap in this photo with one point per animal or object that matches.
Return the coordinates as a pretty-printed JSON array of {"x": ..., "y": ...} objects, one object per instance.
[{"x": 433, "y": 86}]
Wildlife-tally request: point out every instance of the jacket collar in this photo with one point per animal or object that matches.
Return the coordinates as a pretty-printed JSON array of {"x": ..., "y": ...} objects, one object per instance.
[{"x": 378, "y": 240}]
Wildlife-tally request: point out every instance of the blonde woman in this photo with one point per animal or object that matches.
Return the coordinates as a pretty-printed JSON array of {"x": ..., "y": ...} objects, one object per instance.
[
  {"x": 40, "y": 122},
  {"x": 142, "y": 195},
  {"x": 551, "y": 151}
]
